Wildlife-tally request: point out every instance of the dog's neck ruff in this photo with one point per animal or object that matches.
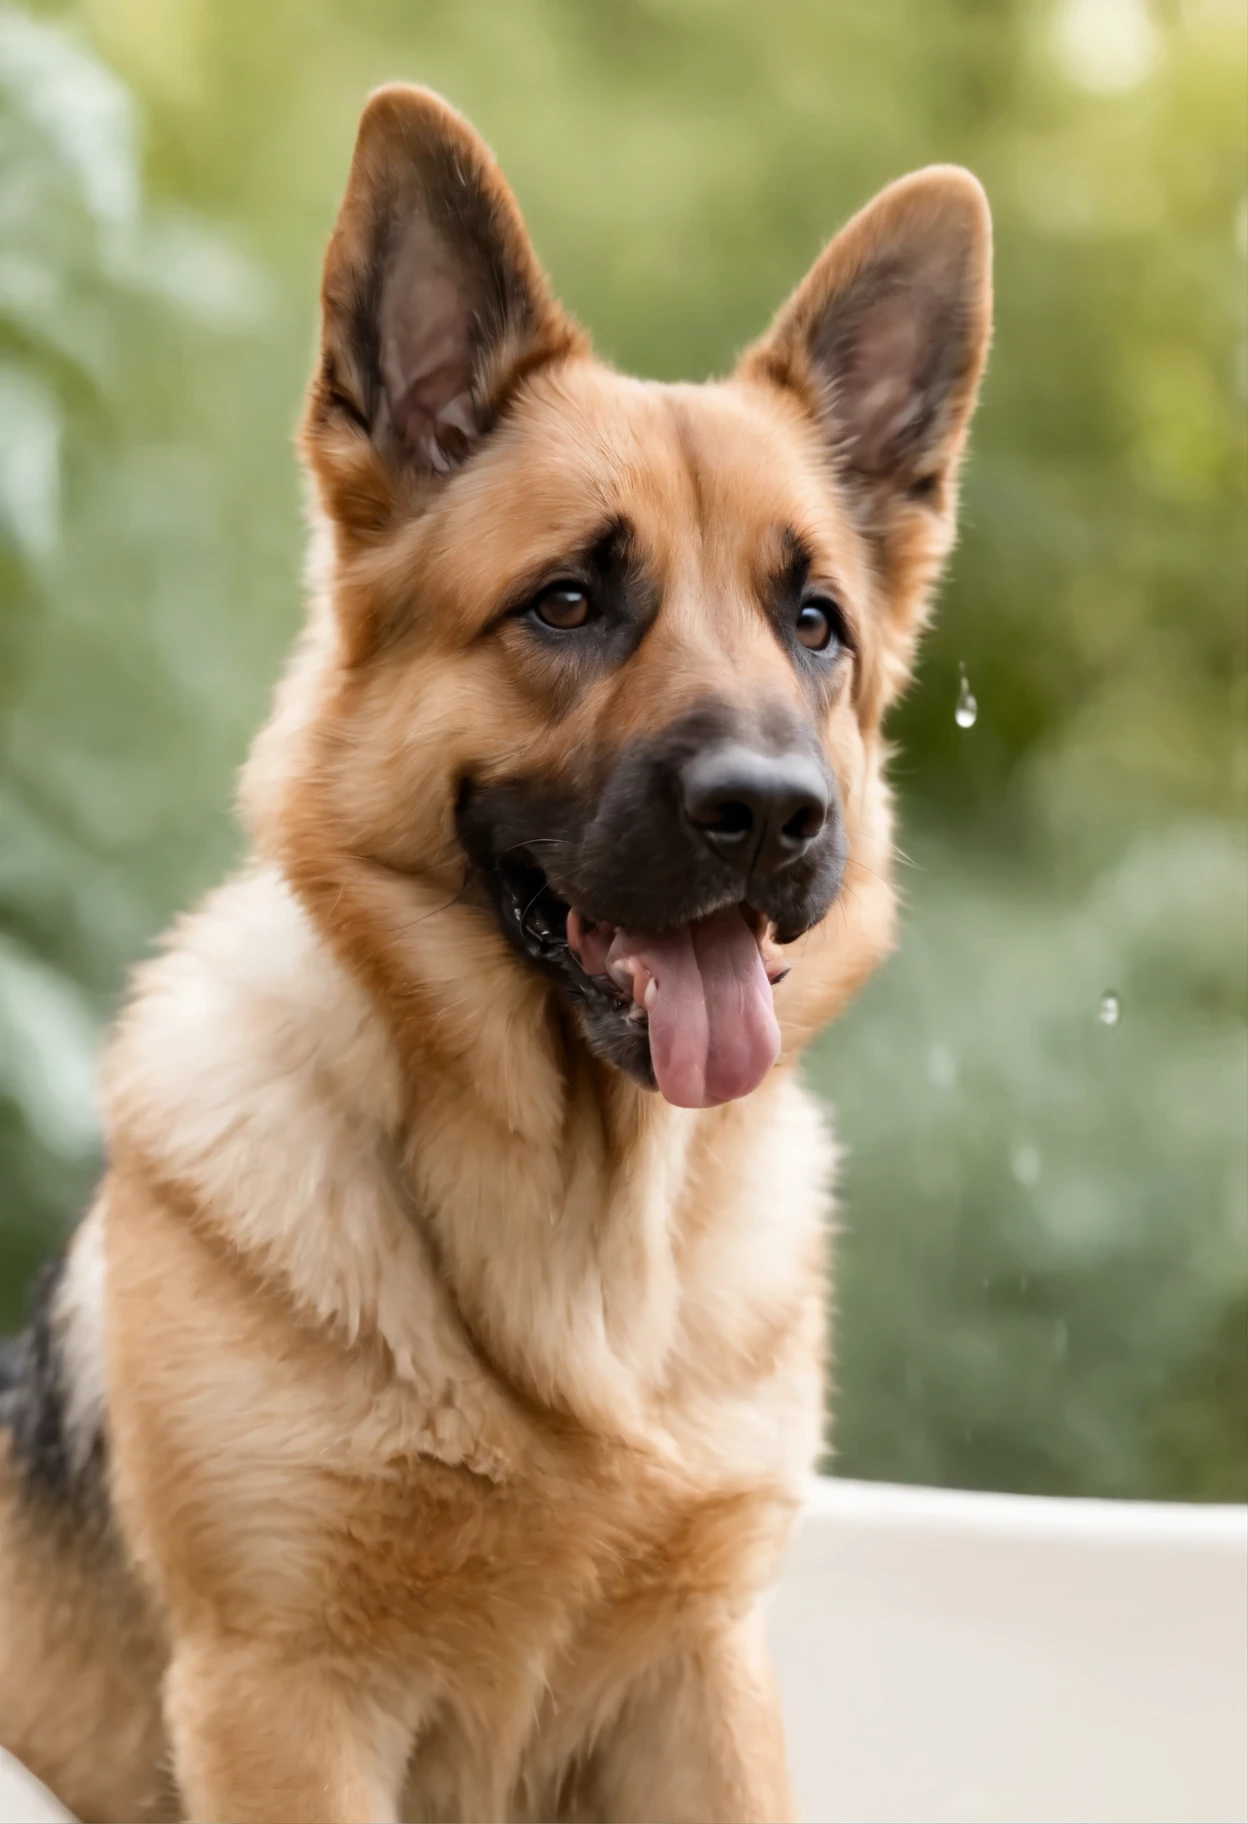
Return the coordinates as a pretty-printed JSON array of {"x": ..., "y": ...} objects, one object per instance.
[{"x": 573, "y": 1254}]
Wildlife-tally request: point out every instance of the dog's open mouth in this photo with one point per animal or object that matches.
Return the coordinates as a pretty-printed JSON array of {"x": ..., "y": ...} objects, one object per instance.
[{"x": 701, "y": 993}]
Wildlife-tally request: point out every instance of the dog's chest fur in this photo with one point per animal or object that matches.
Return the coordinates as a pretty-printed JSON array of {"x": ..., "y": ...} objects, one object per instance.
[{"x": 459, "y": 1383}]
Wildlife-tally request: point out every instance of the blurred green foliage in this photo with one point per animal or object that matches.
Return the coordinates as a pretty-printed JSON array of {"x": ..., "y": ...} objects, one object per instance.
[{"x": 1043, "y": 1278}]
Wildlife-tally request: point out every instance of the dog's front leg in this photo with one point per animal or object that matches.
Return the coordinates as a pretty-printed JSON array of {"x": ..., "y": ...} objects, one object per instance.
[
  {"x": 260, "y": 1736},
  {"x": 700, "y": 1739}
]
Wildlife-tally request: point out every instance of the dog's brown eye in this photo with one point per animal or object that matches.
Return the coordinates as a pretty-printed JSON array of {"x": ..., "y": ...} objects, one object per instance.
[
  {"x": 816, "y": 624},
  {"x": 564, "y": 605}
]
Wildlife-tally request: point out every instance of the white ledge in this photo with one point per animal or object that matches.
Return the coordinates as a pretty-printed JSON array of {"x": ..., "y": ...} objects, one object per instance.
[
  {"x": 949, "y": 1656},
  {"x": 888, "y": 1504}
]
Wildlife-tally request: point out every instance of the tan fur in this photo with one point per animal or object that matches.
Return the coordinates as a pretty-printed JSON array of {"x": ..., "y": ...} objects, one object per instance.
[{"x": 460, "y": 1393}]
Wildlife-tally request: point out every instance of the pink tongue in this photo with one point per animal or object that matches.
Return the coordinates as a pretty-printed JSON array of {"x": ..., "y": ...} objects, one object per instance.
[{"x": 713, "y": 1031}]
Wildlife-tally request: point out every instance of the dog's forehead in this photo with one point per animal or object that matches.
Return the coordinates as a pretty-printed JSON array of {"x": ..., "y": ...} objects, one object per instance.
[{"x": 713, "y": 473}]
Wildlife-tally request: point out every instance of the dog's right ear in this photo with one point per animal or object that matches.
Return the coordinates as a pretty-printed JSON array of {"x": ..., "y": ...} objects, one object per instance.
[{"x": 433, "y": 309}]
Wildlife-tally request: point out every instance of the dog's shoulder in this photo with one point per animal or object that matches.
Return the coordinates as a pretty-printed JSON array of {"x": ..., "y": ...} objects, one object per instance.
[
  {"x": 251, "y": 1077},
  {"x": 244, "y": 1022},
  {"x": 52, "y": 1382},
  {"x": 249, "y": 1072}
]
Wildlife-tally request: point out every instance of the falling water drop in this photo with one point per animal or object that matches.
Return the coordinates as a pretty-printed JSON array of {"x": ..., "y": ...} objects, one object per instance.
[
  {"x": 1110, "y": 1009},
  {"x": 1025, "y": 1164},
  {"x": 967, "y": 708}
]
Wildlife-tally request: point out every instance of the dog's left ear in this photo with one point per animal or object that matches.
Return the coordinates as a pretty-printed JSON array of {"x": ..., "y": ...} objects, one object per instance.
[
  {"x": 885, "y": 342},
  {"x": 434, "y": 308}
]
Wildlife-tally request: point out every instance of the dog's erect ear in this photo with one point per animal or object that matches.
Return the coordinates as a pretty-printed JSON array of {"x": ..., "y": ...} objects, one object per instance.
[
  {"x": 434, "y": 305},
  {"x": 885, "y": 340}
]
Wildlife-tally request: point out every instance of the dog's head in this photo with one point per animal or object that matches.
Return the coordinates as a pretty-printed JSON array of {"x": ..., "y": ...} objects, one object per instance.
[{"x": 590, "y": 706}]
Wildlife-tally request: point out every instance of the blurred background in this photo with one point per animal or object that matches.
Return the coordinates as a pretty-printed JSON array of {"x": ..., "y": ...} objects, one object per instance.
[{"x": 1043, "y": 1263}]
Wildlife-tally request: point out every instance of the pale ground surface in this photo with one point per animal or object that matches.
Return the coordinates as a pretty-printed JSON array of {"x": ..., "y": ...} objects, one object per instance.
[
  {"x": 22, "y": 1799},
  {"x": 964, "y": 1657}
]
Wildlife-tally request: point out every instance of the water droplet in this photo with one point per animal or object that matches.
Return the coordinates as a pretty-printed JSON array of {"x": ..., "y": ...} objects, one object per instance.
[
  {"x": 942, "y": 1066},
  {"x": 1110, "y": 1009},
  {"x": 967, "y": 708},
  {"x": 1025, "y": 1163}
]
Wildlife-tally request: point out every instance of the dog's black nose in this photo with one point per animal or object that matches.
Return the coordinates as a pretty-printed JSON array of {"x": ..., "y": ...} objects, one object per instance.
[{"x": 761, "y": 809}]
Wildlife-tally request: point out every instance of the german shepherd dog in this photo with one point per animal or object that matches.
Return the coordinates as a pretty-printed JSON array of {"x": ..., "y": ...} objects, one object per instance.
[{"x": 417, "y": 1420}]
